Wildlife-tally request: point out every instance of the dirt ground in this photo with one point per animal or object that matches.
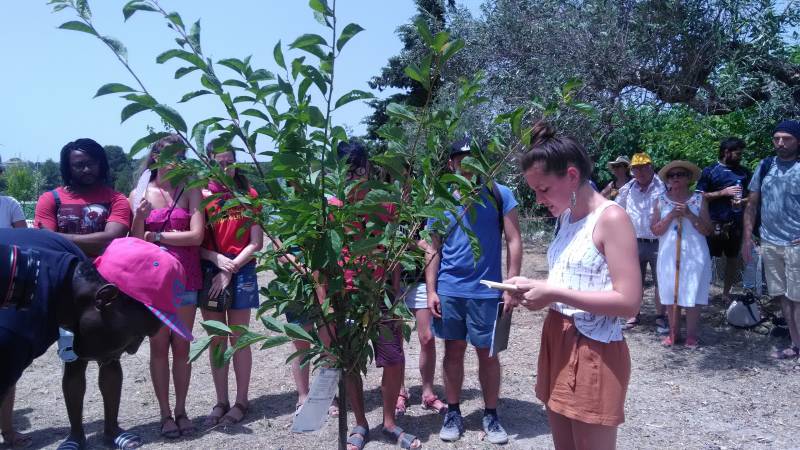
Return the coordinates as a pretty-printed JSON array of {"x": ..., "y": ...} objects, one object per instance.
[{"x": 728, "y": 394}]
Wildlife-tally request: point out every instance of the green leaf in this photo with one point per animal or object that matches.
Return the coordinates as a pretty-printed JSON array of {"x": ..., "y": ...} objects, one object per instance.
[
  {"x": 451, "y": 48},
  {"x": 171, "y": 117},
  {"x": 277, "y": 53},
  {"x": 198, "y": 347},
  {"x": 261, "y": 75},
  {"x": 116, "y": 46},
  {"x": 255, "y": 113},
  {"x": 275, "y": 341},
  {"x": 82, "y": 6},
  {"x": 144, "y": 99},
  {"x": 320, "y": 6},
  {"x": 78, "y": 26},
  {"x": 424, "y": 31},
  {"x": 571, "y": 85},
  {"x": 200, "y": 128},
  {"x": 348, "y": 32},
  {"x": 316, "y": 77},
  {"x": 317, "y": 119},
  {"x": 113, "y": 88},
  {"x": 175, "y": 18},
  {"x": 272, "y": 323},
  {"x": 184, "y": 70},
  {"x": 236, "y": 83},
  {"x": 352, "y": 96},
  {"x": 131, "y": 109},
  {"x": 145, "y": 141},
  {"x": 295, "y": 331},
  {"x": 308, "y": 40},
  {"x": 190, "y": 95},
  {"x": 194, "y": 36},
  {"x": 191, "y": 58},
  {"x": 233, "y": 64},
  {"x": 401, "y": 112},
  {"x": 135, "y": 5},
  {"x": 440, "y": 40},
  {"x": 216, "y": 328},
  {"x": 413, "y": 72}
]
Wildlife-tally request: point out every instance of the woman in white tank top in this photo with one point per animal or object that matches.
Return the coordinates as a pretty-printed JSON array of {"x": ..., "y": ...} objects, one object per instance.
[{"x": 593, "y": 281}]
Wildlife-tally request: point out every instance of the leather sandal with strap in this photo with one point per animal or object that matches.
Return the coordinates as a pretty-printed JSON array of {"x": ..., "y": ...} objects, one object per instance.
[
  {"x": 227, "y": 419},
  {"x": 213, "y": 419},
  {"x": 170, "y": 434},
  {"x": 401, "y": 405},
  {"x": 434, "y": 404}
]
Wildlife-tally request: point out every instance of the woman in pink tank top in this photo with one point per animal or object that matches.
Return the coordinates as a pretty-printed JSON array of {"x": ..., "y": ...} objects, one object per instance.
[{"x": 170, "y": 216}]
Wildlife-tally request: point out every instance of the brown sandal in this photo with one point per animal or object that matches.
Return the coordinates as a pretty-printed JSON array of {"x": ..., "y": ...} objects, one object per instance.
[
  {"x": 188, "y": 430},
  {"x": 433, "y": 403},
  {"x": 227, "y": 419},
  {"x": 170, "y": 434},
  {"x": 213, "y": 419}
]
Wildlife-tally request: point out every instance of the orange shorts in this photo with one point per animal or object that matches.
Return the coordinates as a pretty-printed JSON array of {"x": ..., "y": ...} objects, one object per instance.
[{"x": 580, "y": 378}]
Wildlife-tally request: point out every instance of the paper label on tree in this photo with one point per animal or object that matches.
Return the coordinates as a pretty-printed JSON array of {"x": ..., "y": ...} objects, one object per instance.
[{"x": 312, "y": 415}]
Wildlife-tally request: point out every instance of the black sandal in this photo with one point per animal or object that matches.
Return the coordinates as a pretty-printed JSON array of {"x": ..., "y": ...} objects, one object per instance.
[{"x": 211, "y": 419}]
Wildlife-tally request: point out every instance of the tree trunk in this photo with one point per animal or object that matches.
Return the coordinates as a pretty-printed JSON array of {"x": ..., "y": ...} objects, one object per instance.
[{"x": 342, "y": 412}]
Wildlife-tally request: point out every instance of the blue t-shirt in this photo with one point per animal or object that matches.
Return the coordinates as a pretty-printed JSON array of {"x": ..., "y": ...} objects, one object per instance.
[
  {"x": 32, "y": 331},
  {"x": 780, "y": 202},
  {"x": 459, "y": 272},
  {"x": 718, "y": 177}
]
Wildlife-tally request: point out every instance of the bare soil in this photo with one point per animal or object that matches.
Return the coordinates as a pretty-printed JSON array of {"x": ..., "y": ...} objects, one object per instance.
[{"x": 728, "y": 394}]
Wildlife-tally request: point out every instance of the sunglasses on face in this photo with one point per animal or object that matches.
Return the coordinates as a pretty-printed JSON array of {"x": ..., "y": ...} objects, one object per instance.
[{"x": 680, "y": 174}]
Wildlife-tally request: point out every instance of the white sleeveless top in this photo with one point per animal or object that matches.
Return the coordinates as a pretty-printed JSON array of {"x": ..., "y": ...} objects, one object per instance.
[{"x": 575, "y": 263}]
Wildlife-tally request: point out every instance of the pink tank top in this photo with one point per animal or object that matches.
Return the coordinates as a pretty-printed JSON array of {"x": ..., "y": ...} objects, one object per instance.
[{"x": 189, "y": 256}]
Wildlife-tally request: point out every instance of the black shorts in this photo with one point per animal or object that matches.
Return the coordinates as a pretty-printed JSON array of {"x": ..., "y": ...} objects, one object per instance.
[{"x": 729, "y": 242}]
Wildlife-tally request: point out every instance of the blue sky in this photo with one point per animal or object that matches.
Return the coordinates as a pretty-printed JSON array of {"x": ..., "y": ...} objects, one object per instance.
[{"x": 49, "y": 76}]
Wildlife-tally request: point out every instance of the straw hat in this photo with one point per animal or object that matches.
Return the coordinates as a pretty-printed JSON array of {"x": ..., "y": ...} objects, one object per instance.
[
  {"x": 621, "y": 160},
  {"x": 688, "y": 166}
]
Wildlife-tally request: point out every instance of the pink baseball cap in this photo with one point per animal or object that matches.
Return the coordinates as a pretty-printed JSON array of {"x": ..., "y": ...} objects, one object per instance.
[{"x": 148, "y": 274}]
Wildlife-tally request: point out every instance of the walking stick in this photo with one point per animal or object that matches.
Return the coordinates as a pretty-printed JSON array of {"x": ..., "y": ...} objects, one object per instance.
[{"x": 676, "y": 321}]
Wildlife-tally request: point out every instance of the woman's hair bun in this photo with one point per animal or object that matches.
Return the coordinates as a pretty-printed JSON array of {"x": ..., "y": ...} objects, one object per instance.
[{"x": 541, "y": 132}]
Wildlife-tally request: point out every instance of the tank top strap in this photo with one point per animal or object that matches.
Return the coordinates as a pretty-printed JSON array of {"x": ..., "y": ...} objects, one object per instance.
[{"x": 594, "y": 216}]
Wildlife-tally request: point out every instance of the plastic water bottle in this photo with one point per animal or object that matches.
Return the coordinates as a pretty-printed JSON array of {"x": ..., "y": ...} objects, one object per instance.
[
  {"x": 737, "y": 197},
  {"x": 65, "y": 350}
]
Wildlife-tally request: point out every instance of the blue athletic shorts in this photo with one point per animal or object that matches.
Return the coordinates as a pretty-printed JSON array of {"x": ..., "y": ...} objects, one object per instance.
[
  {"x": 469, "y": 319},
  {"x": 245, "y": 287}
]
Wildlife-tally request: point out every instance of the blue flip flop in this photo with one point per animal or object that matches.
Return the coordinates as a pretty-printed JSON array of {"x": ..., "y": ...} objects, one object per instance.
[
  {"x": 124, "y": 441},
  {"x": 72, "y": 444}
]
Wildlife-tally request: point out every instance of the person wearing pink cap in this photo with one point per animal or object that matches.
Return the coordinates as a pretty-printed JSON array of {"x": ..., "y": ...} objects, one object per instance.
[
  {"x": 168, "y": 214},
  {"x": 47, "y": 282}
]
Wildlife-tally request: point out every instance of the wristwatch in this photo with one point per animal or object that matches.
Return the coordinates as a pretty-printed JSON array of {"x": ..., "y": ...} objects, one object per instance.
[{"x": 157, "y": 238}]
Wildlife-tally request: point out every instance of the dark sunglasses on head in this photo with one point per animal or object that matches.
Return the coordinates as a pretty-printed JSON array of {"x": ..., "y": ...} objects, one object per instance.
[{"x": 680, "y": 174}]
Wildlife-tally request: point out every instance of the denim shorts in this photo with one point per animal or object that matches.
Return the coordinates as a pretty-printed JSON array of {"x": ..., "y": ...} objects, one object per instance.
[
  {"x": 245, "y": 287},
  {"x": 186, "y": 298},
  {"x": 467, "y": 319}
]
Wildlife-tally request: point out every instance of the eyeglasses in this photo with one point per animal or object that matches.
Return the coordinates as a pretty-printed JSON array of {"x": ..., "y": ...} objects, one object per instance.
[
  {"x": 680, "y": 174},
  {"x": 89, "y": 164}
]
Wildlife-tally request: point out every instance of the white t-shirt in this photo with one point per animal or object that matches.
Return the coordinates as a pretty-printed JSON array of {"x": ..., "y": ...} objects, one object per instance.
[{"x": 10, "y": 212}]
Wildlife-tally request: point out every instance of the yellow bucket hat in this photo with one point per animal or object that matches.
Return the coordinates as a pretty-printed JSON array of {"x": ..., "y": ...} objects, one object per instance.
[{"x": 640, "y": 159}]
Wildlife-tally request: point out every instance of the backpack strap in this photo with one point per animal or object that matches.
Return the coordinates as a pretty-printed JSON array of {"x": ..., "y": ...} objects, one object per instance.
[
  {"x": 498, "y": 201},
  {"x": 57, "y": 199}
]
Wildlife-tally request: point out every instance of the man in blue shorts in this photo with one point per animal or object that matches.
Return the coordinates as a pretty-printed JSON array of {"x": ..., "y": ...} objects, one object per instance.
[{"x": 464, "y": 310}]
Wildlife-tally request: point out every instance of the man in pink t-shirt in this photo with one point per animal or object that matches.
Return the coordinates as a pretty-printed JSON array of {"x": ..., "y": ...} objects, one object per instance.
[{"x": 89, "y": 213}]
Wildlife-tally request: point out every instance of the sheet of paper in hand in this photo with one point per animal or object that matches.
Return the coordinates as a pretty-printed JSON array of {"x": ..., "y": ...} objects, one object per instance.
[
  {"x": 500, "y": 286},
  {"x": 312, "y": 415}
]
